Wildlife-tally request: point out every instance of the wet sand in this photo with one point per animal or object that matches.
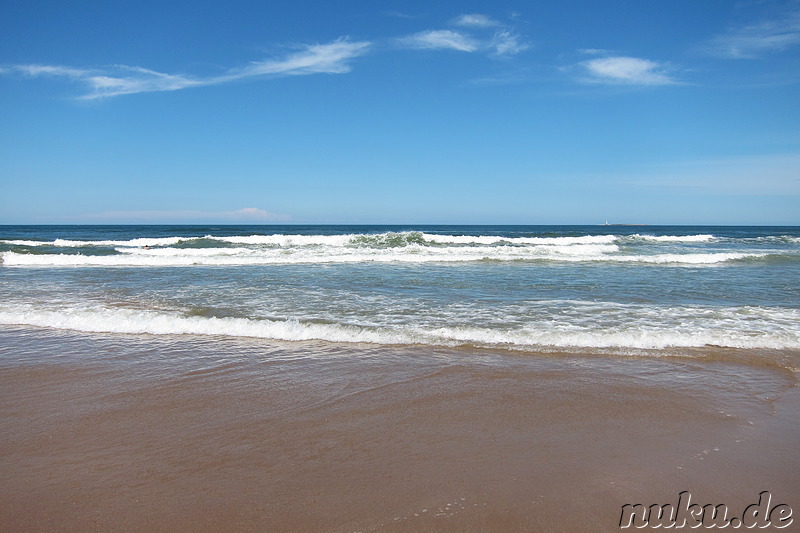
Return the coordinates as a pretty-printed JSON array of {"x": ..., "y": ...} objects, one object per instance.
[{"x": 157, "y": 433}]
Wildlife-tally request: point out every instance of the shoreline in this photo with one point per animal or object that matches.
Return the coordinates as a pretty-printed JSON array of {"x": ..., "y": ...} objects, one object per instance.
[{"x": 143, "y": 432}]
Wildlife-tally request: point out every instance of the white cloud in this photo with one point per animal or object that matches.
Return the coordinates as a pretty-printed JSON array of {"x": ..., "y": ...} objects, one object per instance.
[
  {"x": 440, "y": 39},
  {"x": 399, "y": 14},
  {"x": 480, "y": 33},
  {"x": 46, "y": 70},
  {"x": 757, "y": 39},
  {"x": 593, "y": 51},
  {"x": 502, "y": 43},
  {"x": 137, "y": 80},
  {"x": 330, "y": 58},
  {"x": 256, "y": 214},
  {"x": 114, "y": 81},
  {"x": 626, "y": 70},
  {"x": 475, "y": 20},
  {"x": 506, "y": 43}
]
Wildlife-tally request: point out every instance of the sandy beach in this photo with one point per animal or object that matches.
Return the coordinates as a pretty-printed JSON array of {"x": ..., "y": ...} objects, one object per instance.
[{"x": 143, "y": 433}]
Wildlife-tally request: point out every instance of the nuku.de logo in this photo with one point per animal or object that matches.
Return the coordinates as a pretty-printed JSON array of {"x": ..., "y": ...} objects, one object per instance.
[{"x": 687, "y": 514}]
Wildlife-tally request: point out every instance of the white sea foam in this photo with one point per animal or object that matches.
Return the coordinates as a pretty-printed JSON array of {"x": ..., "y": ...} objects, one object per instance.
[
  {"x": 733, "y": 328},
  {"x": 685, "y": 259},
  {"x": 561, "y": 241},
  {"x": 406, "y": 237},
  {"x": 144, "y": 241},
  {"x": 674, "y": 238},
  {"x": 71, "y": 243},
  {"x": 404, "y": 247},
  {"x": 392, "y": 238},
  {"x": 188, "y": 252},
  {"x": 161, "y": 323},
  {"x": 287, "y": 240},
  {"x": 774, "y": 239},
  {"x": 139, "y": 257},
  {"x": 18, "y": 242}
]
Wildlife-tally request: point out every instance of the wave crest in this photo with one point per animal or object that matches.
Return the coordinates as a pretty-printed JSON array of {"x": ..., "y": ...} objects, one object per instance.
[
  {"x": 172, "y": 257},
  {"x": 531, "y": 337}
]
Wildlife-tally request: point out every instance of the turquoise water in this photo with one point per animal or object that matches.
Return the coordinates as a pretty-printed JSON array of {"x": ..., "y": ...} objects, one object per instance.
[{"x": 620, "y": 289}]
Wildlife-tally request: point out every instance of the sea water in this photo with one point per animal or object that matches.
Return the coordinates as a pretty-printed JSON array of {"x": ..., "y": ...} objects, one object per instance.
[{"x": 654, "y": 290}]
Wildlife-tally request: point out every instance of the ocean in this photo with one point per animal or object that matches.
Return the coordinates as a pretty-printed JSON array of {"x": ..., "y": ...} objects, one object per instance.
[
  {"x": 621, "y": 290},
  {"x": 393, "y": 378}
]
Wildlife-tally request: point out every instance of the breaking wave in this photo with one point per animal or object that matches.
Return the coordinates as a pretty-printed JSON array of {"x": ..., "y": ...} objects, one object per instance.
[
  {"x": 738, "y": 328},
  {"x": 403, "y": 247},
  {"x": 240, "y": 256}
]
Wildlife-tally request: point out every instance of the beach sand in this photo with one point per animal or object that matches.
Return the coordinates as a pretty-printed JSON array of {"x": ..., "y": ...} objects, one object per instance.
[{"x": 165, "y": 433}]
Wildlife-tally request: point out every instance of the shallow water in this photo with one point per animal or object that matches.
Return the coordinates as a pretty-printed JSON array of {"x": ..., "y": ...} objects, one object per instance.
[{"x": 530, "y": 288}]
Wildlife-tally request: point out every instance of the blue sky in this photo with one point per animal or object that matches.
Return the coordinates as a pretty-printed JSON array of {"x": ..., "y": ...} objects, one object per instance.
[{"x": 551, "y": 112}]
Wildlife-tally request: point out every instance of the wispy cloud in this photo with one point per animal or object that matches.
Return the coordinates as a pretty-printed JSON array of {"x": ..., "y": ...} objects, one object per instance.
[
  {"x": 626, "y": 71},
  {"x": 399, "y": 14},
  {"x": 594, "y": 51},
  {"x": 131, "y": 80},
  {"x": 471, "y": 33},
  {"x": 254, "y": 213},
  {"x": 47, "y": 70},
  {"x": 440, "y": 40},
  {"x": 475, "y": 33},
  {"x": 330, "y": 58},
  {"x": 506, "y": 43},
  {"x": 755, "y": 40},
  {"x": 475, "y": 20}
]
